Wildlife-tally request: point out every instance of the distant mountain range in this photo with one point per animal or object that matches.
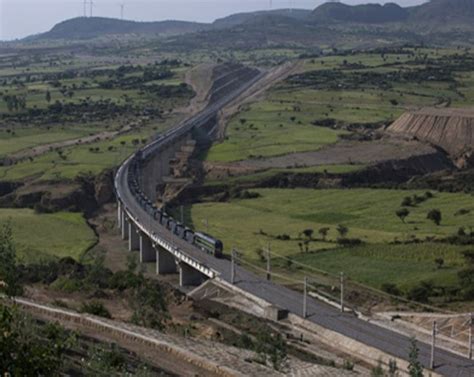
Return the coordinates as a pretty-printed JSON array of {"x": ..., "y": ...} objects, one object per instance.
[
  {"x": 94, "y": 27},
  {"x": 435, "y": 17}
]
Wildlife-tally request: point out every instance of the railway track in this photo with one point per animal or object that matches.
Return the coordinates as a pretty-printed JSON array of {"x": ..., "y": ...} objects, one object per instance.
[{"x": 365, "y": 334}]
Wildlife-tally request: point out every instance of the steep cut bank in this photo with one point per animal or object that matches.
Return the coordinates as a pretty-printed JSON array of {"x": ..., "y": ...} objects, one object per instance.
[{"x": 449, "y": 129}]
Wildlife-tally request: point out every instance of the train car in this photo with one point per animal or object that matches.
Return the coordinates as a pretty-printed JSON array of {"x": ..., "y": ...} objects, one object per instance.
[
  {"x": 169, "y": 223},
  {"x": 157, "y": 214},
  {"x": 208, "y": 244},
  {"x": 178, "y": 229},
  {"x": 164, "y": 218},
  {"x": 188, "y": 235}
]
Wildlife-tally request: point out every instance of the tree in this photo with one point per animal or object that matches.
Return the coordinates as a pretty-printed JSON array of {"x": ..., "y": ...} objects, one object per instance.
[
  {"x": 407, "y": 201},
  {"x": 415, "y": 369},
  {"x": 323, "y": 232},
  {"x": 439, "y": 263},
  {"x": 8, "y": 270},
  {"x": 48, "y": 96},
  {"x": 308, "y": 233},
  {"x": 25, "y": 349},
  {"x": 306, "y": 245},
  {"x": 403, "y": 213},
  {"x": 435, "y": 216},
  {"x": 342, "y": 230}
]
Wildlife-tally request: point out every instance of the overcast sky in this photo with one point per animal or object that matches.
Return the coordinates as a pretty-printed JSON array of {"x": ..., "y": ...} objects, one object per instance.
[{"x": 19, "y": 18}]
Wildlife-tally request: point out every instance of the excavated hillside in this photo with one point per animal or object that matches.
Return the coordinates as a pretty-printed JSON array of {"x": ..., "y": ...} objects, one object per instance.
[{"x": 449, "y": 129}]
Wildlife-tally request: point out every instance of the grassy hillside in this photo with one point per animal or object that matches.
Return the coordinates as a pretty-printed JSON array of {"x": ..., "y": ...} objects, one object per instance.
[
  {"x": 39, "y": 237},
  {"x": 94, "y": 27}
]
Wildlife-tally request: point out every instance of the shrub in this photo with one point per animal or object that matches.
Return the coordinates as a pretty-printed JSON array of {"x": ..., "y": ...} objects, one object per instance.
[
  {"x": 95, "y": 308},
  {"x": 349, "y": 241},
  {"x": 435, "y": 216},
  {"x": 421, "y": 292},
  {"x": 67, "y": 284},
  {"x": 391, "y": 289}
]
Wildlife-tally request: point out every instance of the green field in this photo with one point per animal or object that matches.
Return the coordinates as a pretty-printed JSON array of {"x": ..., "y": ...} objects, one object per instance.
[
  {"x": 365, "y": 89},
  {"x": 402, "y": 265},
  {"x": 252, "y": 224},
  {"x": 81, "y": 159},
  {"x": 41, "y": 237},
  {"x": 267, "y": 129},
  {"x": 25, "y": 138}
]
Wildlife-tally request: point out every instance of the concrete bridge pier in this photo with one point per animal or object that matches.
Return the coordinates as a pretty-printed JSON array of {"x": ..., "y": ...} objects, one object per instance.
[
  {"x": 119, "y": 215},
  {"x": 124, "y": 226},
  {"x": 165, "y": 262},
  {"x": 190, "y": 276},
  {"x": 147, "y": 252},
  {"x": 133, "y": 238}
]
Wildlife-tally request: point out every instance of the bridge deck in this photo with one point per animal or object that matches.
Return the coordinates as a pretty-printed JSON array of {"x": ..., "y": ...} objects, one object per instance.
[{"x": 390, "y": 342}]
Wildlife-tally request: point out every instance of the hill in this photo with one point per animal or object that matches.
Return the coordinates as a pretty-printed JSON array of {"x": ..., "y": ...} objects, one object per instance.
[
  {"x": 333, "y": 24},
  {"x": 442, "y": 11},
  {"x": 365, "y": 13},
  {"x": 241, "y": 18},
  {"x": 93, "y": 27},
  {"x": 449, "y": 129}
]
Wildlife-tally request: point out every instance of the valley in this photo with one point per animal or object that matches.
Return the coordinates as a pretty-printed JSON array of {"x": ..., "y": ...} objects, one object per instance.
[{"x": 329, "y": 151}]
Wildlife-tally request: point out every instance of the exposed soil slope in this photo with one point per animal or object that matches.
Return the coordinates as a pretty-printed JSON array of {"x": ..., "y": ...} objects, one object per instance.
[
  {"x": 449, "y": 129},
  {"x": 342, "y": 153}
]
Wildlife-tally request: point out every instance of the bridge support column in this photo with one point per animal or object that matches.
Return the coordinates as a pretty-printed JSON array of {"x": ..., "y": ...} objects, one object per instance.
[
  {"x": 133, "y": 240},
  {"x": 165, "y": 262},
  {"x": 147, "y": 252},
  {"x": 124, "y": 226},
  {"x": 119, "y": 215},
  {"x": 189, "y": 276}
]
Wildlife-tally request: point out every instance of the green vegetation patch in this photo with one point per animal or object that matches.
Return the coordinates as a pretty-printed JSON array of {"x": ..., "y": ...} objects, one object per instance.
[
  {"x": 266, "y": 129},
  {"x": 402, "y": 265},
  {"x": 279, "y": 217},
  {"x": 48, "y": 236}
]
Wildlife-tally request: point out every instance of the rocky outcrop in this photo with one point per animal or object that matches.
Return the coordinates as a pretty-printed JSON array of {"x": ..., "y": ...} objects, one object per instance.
[
  {"x": 104, "y": 187},
  {"x": 86, "y": 194},
  {"x": 449, "y": 129}
]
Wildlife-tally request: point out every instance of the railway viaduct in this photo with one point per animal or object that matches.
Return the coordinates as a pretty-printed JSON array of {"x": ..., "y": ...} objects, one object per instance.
[{"x": 172, "y": 254}]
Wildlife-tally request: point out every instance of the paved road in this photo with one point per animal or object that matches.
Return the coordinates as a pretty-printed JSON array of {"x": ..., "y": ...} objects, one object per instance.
[{"x": 320, "y": 313}]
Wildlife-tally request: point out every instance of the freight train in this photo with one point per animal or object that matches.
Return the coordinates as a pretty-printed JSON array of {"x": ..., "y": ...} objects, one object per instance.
[{"x": 201, "y": 240}]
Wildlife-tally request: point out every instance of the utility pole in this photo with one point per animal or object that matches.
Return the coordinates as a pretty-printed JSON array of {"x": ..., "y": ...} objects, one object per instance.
[
  {"x": 305, "y": 297},
  {"x": 342, "y": 292},
  {"x": 269, "y": 265},
  {"x": 433, "y": 346},
  {"x": 471, "y": 324},
  {"x": 182, "y": 214},
  {"x": 85, "y": 8},
  {"x": 91, "y": 3},
  {"x": 232, "y": 267}
]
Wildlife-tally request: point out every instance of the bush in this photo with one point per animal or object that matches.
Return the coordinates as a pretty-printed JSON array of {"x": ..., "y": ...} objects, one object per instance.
[
  {"x": 67, "y": 284},
  {"x": 391, "y": 289},
  {"x": 421, "y": 292},
  {"x": 95, "y": 308},
  {"x": 349, "y": 241}
]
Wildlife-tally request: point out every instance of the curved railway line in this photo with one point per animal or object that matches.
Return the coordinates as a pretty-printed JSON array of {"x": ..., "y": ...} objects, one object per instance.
[{"x": 135, "y": 218}]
